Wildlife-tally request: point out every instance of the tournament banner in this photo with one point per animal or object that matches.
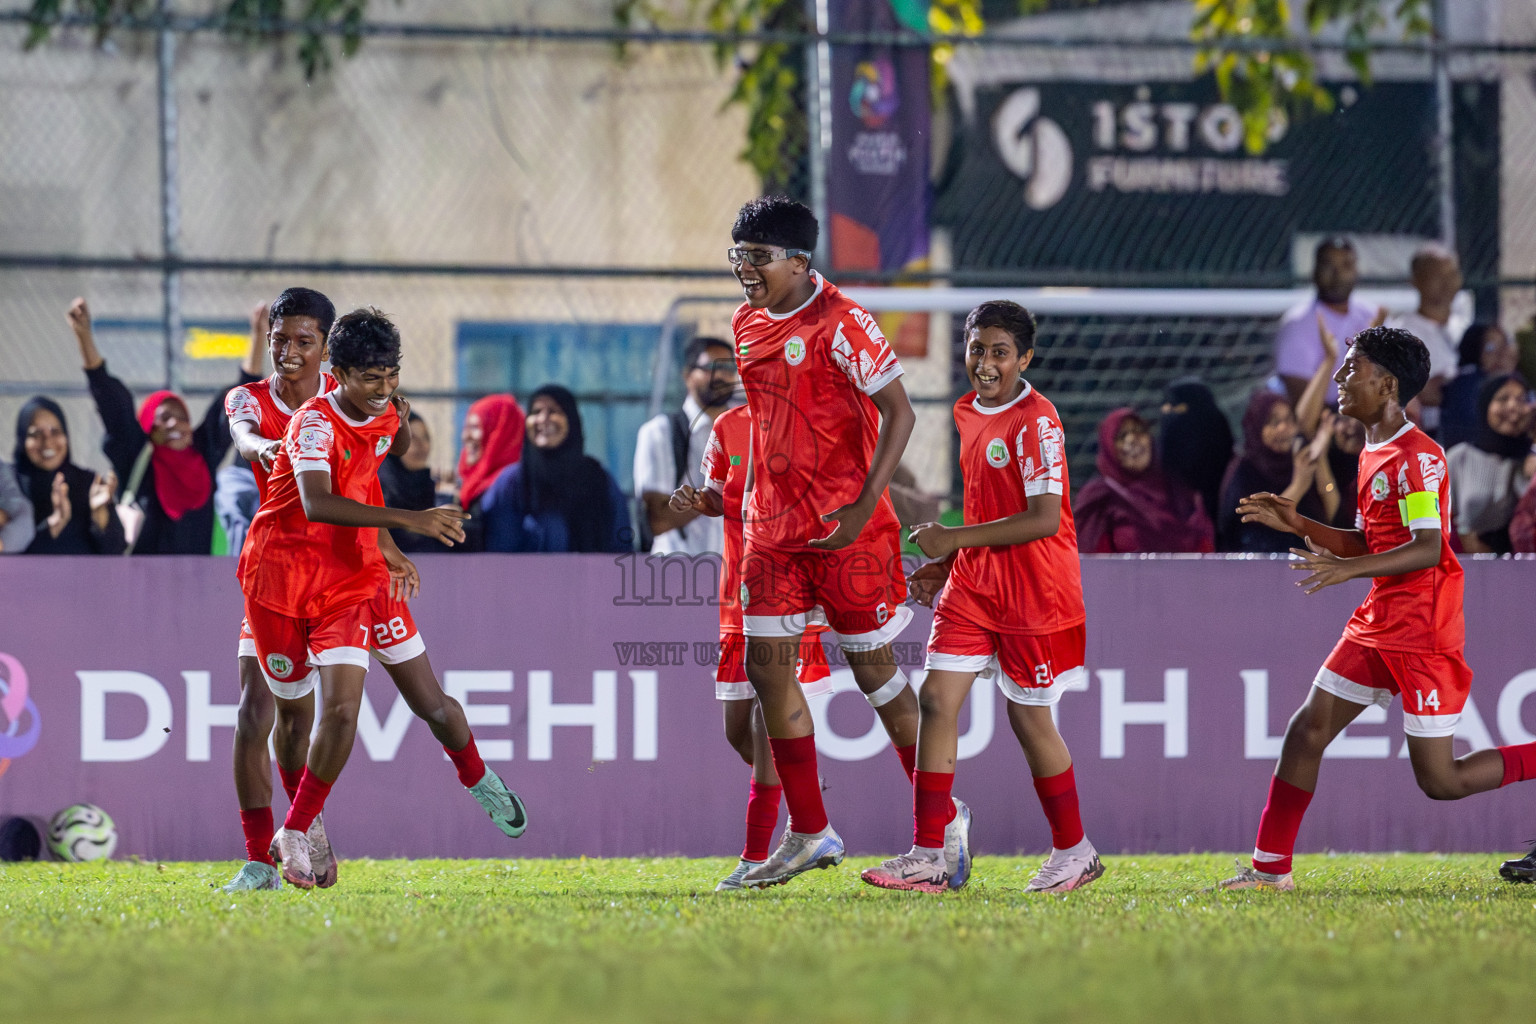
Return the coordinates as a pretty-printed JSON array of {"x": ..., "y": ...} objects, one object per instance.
[
  {"x": 877, "y": 165},
  {"x": 1155, "y": 176},
  {"x": 588, "y": 681}
]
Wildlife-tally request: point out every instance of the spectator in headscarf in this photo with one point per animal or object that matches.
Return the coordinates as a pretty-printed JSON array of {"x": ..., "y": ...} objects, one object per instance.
[
  {"x": 73, "y": 509},
  {"x": 491, "y": 441},
  {"x": 175, "y": 492},
  {"x": 1130, "y": 506},
  {"x": 407, "y": 483},
  {"x": 1195, "y": 443},
  {"x": 557, "y": 498},
  {"x": 1485, "y": 351},
  {"x": 1492, "y": 471},
  {"x": 1274, "y": 459}
]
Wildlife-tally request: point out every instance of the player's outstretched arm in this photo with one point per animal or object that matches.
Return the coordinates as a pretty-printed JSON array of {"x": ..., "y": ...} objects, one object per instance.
[
  {"x": 252, "y": 447},
  {"x": 896, "y": 422},
  {"x": 1324, "y": 568},
  {"x": 404, "y": 580},
  {"x": 1278, "y": 512},
  {"x": 1041, "y": 519},
  {"x": 695, "y": 499},
  {"x": 444, "y": 523}
]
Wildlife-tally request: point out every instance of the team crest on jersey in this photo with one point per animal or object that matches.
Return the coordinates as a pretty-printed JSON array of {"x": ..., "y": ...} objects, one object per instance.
[
  {"x": 278, "y": 665},
  {"x": 997, "y": 453},
  {"x": 1380, "y": 486},
  {"x": 794, "y": 351},
  {"x": 743, "y": 595},
  {"x": 383, "y": 445}
]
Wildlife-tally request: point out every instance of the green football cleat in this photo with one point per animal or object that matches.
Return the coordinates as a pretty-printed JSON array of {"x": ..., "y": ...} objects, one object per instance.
[
  {"x": 504, "y": 806},
  {"x": 254, "y": 876}
]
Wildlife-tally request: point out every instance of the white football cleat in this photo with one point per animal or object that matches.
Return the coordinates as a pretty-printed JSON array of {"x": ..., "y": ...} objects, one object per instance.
[
  {"x": 914, "y": 871},
  {"x": 1066, "y": 870},
  {"x": 957, "y": 846},
  {"x": 322, "y": 858},
  {"x": 797, "y": 853},
  {"x": 1249, "y": 877},
  {"x": 290, "y": 848}
]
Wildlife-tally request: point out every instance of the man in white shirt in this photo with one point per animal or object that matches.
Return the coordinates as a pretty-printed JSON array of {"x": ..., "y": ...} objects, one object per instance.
[
  {"x": 1436, "y": 276},
  {"x": 711, "y": 381},
  {"x": 1298, "y": 348}
]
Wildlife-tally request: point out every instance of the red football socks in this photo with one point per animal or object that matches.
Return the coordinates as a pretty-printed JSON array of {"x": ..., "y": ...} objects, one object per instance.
[
  {"x": 1278, "y": 826},
  {"x": 1058, "y": 798},
  {"x": 762, "y": 816},
  {"x": 908, "y": 755},
  {"x": 257, "y": 826},
  {"x": 467, "y": 762},
  {"x": 932, "y": 807},
  {"x": 308, "y": 802},
  {"x": 795, "y": 761},
  {"x": 290, "y": 780},
  {"x": 1519, "y": 763}
]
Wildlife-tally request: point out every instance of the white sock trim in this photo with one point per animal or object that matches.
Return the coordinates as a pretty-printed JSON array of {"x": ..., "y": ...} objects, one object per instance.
[{"x": 890, "y": 691}]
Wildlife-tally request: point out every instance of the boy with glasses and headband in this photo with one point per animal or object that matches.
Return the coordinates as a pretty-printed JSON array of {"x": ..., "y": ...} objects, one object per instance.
[{"x": 830, "y": 419}]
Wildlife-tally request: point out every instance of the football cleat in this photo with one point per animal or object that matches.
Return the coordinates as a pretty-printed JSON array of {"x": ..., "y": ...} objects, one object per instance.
[
  {"x": 797, "y": 853},
  {"x": 290, "y": 848},
  {"x": 1522, "y": 870},
  {"x": 733, "y": 880},
  {"x": 915, "y": 871},
  {"x": 504, "y": 806},
  {"x": 957, "y": 847},
  {"x": 322, "y": 858},
  {"x": 254, "y": 876},
  {"x": 1248, "y": 877},
  {"x": 1066, "y": 870}
]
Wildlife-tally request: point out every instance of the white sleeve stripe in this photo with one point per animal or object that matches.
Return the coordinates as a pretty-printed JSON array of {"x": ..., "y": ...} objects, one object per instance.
[
  {"x": 245, "y": 416},
  {"x": 718, "y": 486},
  {"x": 312, "y": 466},
  {"x": 1035, "y": 487},
  {"x": 1424, "y": 524},
  {"x": 884, "y": 379}
]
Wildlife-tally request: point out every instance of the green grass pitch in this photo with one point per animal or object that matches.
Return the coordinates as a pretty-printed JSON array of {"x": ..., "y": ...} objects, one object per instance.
[{"x": 1399, "y": 938}]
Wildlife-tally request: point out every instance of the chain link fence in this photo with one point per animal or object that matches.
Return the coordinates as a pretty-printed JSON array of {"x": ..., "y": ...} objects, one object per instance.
[{"x": 530, "y": 208}]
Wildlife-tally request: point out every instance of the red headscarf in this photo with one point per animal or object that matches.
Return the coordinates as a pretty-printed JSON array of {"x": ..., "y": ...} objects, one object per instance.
[
  {"x": 182, "y": 480},
  {"x": 501, "y": 422}
]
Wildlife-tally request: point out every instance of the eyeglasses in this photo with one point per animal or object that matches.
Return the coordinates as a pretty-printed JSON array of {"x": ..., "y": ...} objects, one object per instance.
[
  {"x": 725, "y": 367},
  {"x": 762, "y": 257}
]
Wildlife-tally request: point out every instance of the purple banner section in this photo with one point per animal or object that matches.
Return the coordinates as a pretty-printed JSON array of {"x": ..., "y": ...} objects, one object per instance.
[{"x": 588, "y": 683}]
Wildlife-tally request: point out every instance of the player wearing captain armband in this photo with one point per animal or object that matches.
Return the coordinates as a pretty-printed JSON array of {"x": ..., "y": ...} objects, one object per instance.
[
  {"x": 1011, "y": 606},
  {"x": 830, "y": 419},
  {"x": 1406, "y": 637},
  {"x": 324, "y": 584},
  {"x": 726, "y": 465}
]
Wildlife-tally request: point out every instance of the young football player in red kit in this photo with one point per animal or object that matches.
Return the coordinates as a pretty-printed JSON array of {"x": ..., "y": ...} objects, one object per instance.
[
  {"x": 830, "y": 419},
  {"x": 314, "y": 577},
  {"x": 727, "y": 463},
  {"x": 1406, "y": 637},
  {"x": 259, "y": 415},
  {"x": 1011, "y": 604}
]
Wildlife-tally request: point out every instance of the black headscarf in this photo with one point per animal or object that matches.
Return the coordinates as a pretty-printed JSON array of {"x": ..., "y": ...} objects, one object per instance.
[
  {"x": 37, "y": 482},
  {"x": 1195, "y": 446},
  {"x": 567, "y": 480},
  {"x": 1488, "y": 439},
  {"x": 406, "y": 488}
]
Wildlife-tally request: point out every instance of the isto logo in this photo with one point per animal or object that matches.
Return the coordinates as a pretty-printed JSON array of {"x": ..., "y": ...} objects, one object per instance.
[
  {"x": 20, "y": 723},
  {"x": 1034, "y": 148}
]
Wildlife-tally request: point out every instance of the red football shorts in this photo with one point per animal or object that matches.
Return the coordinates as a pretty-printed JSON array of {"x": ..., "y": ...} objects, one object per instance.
[
  {"x": 392, "y": 633},
  {"x": 1434, "y": 687},
  {"x": 291, "y": 651},
  {"x": 1028, "y": 669},
  {"x": 811, "y": 667},
  {"x": 858, "y": 592}
]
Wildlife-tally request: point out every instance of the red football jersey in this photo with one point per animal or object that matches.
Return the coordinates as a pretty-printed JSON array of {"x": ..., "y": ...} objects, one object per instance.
[
  {"x": 808, "y": 375},
  {"x": 1008, "y": 455},
  {"x": 1404, "y": 487},
  {"x": 304, "y": 569},
  {"x": 257, "y": 403},
  {"x": 726, "y": 461}
]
